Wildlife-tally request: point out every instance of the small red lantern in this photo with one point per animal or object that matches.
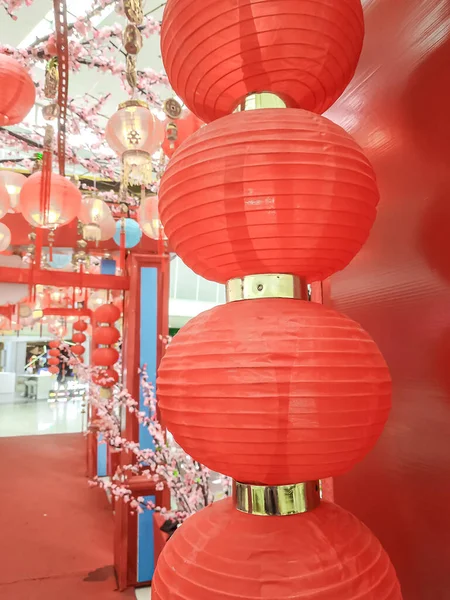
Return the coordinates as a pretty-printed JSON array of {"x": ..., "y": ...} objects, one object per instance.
[
  {"x": 78, "y": 338},
  {"x": 268, "y": 191},
  {"x": 185, "y": 126},
  {"x": 80, "y": 326},
  {"x": 222, "y": 554},
  {"x": 53, "y": 361},
  {"x": 18, "y": 92},
  {"x": 64, "y": 201},
  {"x": 54, "y": 352},
  {"x": 106, "y": 336},
  {"x": 312, "y": 405},
  {"x": 105, "y": 357},
  {"x": 53, "y": 370},
  {"x": 107, "y": 313},
  {"x": 106, "y": 378},
  {"x": 78, "y": 349},
  {"x": 54, "y": 344},
  {"x": 219, "y": 51}
]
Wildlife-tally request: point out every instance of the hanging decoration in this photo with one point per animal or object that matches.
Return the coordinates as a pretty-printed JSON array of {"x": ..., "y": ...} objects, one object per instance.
[
  {"x": 4, "y": 200},
  {"x": 97, "y": 221},
  {"x": 5, "y": 237},
  {"x": 270, "y": 388},
  {"x": 180, "y": 125},
  {"x": 130, "y": 230},
  {"x": 105, "y": 336},
  {"x": 18, "y": 92},
  {"x": 13, "y": 182},
  {"x": 148, "y": 218}
]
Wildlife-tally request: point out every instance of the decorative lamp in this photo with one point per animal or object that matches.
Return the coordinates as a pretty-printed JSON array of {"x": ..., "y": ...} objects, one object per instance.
[
  {"x": 104, "y": 357},
  {"x": 268, "y": 191},
  {"x": 217, "y": 53},
  {"x": 80, "y": 325},
  {"x": 272, "y": 389},
  {"x": 78, "y": 338},
  {"x": 54, "y": 352},
  {"x": 64, "y": 201},
  {"x": 95, "y": 215},
  {"x": 106, "y": 378},
  {"x": 107, "y": 313},
  {"x": 5, "y": 237},
  {"x": 106, "y": 336},
  {"x": 13, "y": 182},
  {"x": 148, "y": 218},
  {"x": 325, "y": 553},
  {"x": 18, "y": 91},
  {"x": 131, "y": 230},
  {"x": 134, "y": 133},
  {"x": 178, "y": 130},
  {"x": 5, "y": 203},
  {"x": 54, "y": 370},
  {"x": 54, "y": 344},
  {"x": 78, "y": 349},
  {"x": 53, "y": 361}
]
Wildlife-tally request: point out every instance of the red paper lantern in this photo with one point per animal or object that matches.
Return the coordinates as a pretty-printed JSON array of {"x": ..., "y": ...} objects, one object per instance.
[
  {"x": 78, "y": 338},
  {"x": 106, "y": 378},
  {"x": 222, "y": 554},
  {"x": 268, "y": 191},
  {"x": 53, "y": 361},
  {"x": 106, "y": 336},
  {"x": 54, "y": 344},
  {"x": 185, "y": 127},
  {"x": 64, "y": 202},
  {"x": 18, "y": 91},
  {"x": 217, "y": 52},
  {"x": 80, "y": 326},
  {"x": 105, "y": 357},
  {"x": 78, "y": 349},
  {"x": 309, "y": 402},
  {"x": 107, "y": 313},
  {"x": 54, "y": 352},
  {"x": 53, "y": 370}
]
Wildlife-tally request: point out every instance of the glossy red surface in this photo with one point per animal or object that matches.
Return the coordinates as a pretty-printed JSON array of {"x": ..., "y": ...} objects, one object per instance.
[
  {"x": 18, "y": 91},
  {"x": 222, "y": 554},
  {"x": 398, "y": 287}
]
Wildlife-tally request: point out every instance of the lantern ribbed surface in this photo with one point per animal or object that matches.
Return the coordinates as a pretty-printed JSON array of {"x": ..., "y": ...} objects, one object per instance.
[
  {"x": 106, "y": 336},
  {"x": 326, "y": 554},
  {"x": 268, "y": 191},
  {"x": 18, "y": 93},
  {"x": 217, "y": 52},
  {"x": 104, "y": 357},
  {"x": 274, "y": 391}
]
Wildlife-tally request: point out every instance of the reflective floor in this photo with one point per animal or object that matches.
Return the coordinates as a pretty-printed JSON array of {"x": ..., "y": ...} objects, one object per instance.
[{"x": 40, "y": 417}]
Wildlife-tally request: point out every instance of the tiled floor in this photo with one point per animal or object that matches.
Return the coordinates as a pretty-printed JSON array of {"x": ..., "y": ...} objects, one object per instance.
[
  {"x": 143, "y": 593},
  {"x": 40, "y": 417}
]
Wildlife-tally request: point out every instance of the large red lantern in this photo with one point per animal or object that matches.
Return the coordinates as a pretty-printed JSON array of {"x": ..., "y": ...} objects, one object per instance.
[
  {"x": 78, "y": 338},
  {"x": 268, "y": 191},
  {"x": 64, "y": 202},
  {"x": 78, "y": 349},
  {"x": 223, "y": 554},
  {"x": 217, "y": 52},
  {"x": 104, "y": 357},
  {"x": 106, "y": 336},
  {"x": 107, "y": 313},
  {"x": 18, "y": 91},
  {"x": 313, "y": 404}
]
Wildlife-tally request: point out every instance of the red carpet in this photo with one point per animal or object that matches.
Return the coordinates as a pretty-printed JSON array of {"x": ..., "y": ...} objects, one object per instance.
[{"x": 56, "y": 532}]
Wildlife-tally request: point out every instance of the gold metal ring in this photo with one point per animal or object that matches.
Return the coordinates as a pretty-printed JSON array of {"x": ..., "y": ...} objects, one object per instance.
[
  {"x": 270, "y": 285},
  {"x": 130, "y": 103},
  {"x": 279, "y": 500}
]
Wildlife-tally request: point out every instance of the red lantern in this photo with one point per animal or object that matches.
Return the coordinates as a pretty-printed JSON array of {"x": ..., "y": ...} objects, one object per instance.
[
  {"x": 18, "y": 92},
  {"x": 80, "y": 326},
  {"x": 106, "y": 336},
  {"x": 107, "y": 313},
  {"x": 78, "y": 349},
  {"x": 53, "y": 361},
  {"x": 222, "y": 554},
  {"x": 54, "y": 344},
  {"x": 217, "y": 52},
  {"x": 105, "y": 357},
  {"x": 78, "y": 338},
  {"x": 106, "y": 378},
  {"x": 268, "y": 191},
  {"x": 312, "y": 405},
  {"x": 184, "y": 127},
  {"x": 53, "y": 370},
  {"x": 54, "y": 352},
  {"x": 64, "y": 202}
]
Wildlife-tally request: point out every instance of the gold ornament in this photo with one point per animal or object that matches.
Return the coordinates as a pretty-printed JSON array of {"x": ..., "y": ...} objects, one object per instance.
[
  {"x": 131, "y": 71},
  {"x": 277, "y": 500},
  {"x": 132, "y": 39},
  {"x": 172, "y": 108},
  {"x": 133, "y": 11},
  {"x": 51, "y": 79},
  {"x": 50, "y": 112}
]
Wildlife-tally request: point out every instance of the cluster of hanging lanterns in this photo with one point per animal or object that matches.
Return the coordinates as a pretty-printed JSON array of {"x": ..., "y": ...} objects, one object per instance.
[
  {"x": 105, "y": 336},
  {"x": 55, "y": 355},
  {"x": 272, "y": 389}
]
